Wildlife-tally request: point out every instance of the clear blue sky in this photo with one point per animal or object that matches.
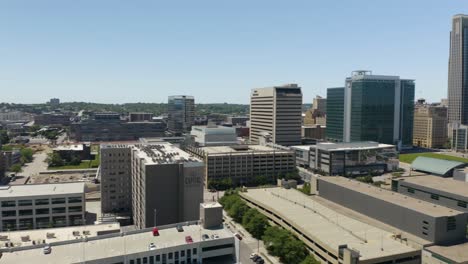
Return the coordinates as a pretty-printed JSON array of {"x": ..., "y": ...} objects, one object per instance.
[{"x": 142, "y": 51}]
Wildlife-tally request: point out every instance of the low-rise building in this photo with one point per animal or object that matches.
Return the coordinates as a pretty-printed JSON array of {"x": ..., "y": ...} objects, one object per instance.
[
  {"x": 314, "y": 132},
  {"x": 435, "y": 223},
  {"x": 237, "y": 120},
  {"x": 108, "y": 127},
  {"x": 213, "y": 135},
  {"x": 53, "y": 119},
  {"x": 242, "y": 164},
  {"x": 140, "y": 116},
  {"x": 437, "y": 190},
  {"x": 69, "y": 152},
  {"x": 347, "y": 158},
  {"x": 35, "y": 206},
  {"x": 167, "y": 185},
  {"x": 149, "y": 246},
  {"x": 439, "y": 167}
]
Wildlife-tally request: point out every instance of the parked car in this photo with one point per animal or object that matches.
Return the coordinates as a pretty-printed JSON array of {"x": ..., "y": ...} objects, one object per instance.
[
  {"x": 47, "y": 249},
  {"x": 260, "y": 261},
  {"x": 253, "y": 255},
  {"x": 155, "y": 231},
  {"x": 205, "y": 237},
  {"x": 152, "y": 246},
  {"x": 238, "y": 236},
  {"x": 214, "y": 236},
  {"x": 255, "y": 258},
  {"x": 180, "y": 228},
  {"x": 188, "y": 239}
]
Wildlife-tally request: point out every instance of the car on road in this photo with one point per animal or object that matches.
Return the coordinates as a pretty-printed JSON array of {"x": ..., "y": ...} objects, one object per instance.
[
  {"x": 214, "y": 236},
  {"x": 253, "y": 255},
  {"x": 238, "y": 236},
  {"x": 255, "y": 258},
  {"x": 47, "y": 249},
  {"x": 152, "y": 246},
  {"x": 188, "y": 239},
  {"x": 180, "y": 228},
  {"x": 260, "y": 261},
  {"x": 205, "y": 237}
]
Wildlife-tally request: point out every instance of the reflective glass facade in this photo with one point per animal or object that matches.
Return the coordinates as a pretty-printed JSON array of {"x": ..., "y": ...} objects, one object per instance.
[
  {"x": 372, "y": 110},
  {"x": 335, "y": 113}
]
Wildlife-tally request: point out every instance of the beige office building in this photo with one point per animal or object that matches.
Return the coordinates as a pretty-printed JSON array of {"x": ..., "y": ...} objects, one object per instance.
[
  {"x": 276, "y": 112},
  {"x": 430, "y": 126},
  {"x": 243, "y": 163}
]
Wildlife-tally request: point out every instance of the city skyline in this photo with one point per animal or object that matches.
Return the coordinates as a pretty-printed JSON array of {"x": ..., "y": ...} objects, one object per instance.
[{"x": 124, "y": 52}]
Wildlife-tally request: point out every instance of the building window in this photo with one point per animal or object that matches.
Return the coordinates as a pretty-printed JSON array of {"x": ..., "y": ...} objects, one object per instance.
[
  {"x": 194, "y": 251},
  {"x": 151, "y": 260},
  {"x": 74, "y": 199},
  {"x": 25, "y": 212},
  {"x": 410, "y": 190},
  {"x": 462, "y": 204},
  {"x": 42, "y": 211},
  {"x": 8, "y": 213},
  {"x": 42, "y": 202},
  {"x": 58, "y": 210},
  {"x": 8, "y": 203},
  {"x": 74, "y": 209},
  {"x": 158, "y": 257},
  {"x": 170, "y": 255},
  {"x": 434, "y": 197},
  {"x": 25, "y": 203},
  {"x": 451, "y": 223},
  {"x": 58, "y": 200}
]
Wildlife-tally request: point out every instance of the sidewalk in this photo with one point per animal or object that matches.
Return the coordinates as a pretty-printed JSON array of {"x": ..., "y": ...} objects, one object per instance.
[{"x": 250, "y": 241}]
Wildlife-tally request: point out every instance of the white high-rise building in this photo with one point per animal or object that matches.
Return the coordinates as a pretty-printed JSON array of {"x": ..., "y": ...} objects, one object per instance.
[{"x": 276, "y": 113}]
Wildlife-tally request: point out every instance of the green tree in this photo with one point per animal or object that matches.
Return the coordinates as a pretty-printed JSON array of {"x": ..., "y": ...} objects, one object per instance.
[
  {"x": 55, "y": 160},
  {"x": 238, "y": 210},
  {"x": 257, "y": 225},
  {"x": 4, "y": 138},
  {"x": 16, "y": 168},
  {"x": 310, "y": 260},
  {"x": 26, "y": 155}
]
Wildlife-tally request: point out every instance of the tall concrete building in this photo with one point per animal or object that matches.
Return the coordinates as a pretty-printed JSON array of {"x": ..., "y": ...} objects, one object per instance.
[
  {"x": 167, "y": 185},
  {"x": 276, "y": 112},
  {"x": 430, "y": 126},
  {"x": 139, "y": 180},
  {"x": 116, "y": 179},
  {"x": 458, "y": 71},
  {"x": 181, "y": 113},
  {"x": 375, "y": 108}
]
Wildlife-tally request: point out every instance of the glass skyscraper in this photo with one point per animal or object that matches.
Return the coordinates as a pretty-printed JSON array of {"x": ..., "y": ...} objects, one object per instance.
[
  {"x": 181, "y": 111},
  {"x": 458, "y": 71},
  {"x": 372, "y": 108}
]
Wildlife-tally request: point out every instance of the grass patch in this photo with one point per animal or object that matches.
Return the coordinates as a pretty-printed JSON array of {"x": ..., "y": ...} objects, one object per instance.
[
  {"x": 85, "y": 164},
  {"x": 409, "y": 158}
]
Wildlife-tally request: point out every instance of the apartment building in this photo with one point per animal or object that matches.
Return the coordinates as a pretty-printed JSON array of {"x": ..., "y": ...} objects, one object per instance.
[
  {"x": 35, "y": 206},
  {"x": 116, "y": 179},
  {"x": 167, "y": 185},
  {"x": 430, "y": 126},
  {"x": 276, "y": 111}
]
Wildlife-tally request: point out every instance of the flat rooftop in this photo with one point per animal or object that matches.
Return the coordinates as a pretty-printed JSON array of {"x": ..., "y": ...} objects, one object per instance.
[
  {"x": 439, "y": 183},
  {"x": 420, "y": 206},
  {"x": 12, "y": 191},
  {"x": 457, "y": 253},
  {"x": 69, "y": 147},
  {"x": 240, "y": 149},
  {"x": 50, "y": 235},
  {"x": 163, "y": 153},
  {"x": 117, "y": 245},
  {"x": 328, "y": 226}
]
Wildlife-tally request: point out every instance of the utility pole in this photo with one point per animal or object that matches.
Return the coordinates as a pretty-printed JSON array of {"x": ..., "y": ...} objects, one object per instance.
[{"x": 155, "y": 212}]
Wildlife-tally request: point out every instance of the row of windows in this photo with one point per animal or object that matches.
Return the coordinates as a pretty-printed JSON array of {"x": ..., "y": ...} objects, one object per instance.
[
  {"x": 42, "y": 211},
  {"x": 47, "y": 201},
  {"x": 169, "y": 256}
]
